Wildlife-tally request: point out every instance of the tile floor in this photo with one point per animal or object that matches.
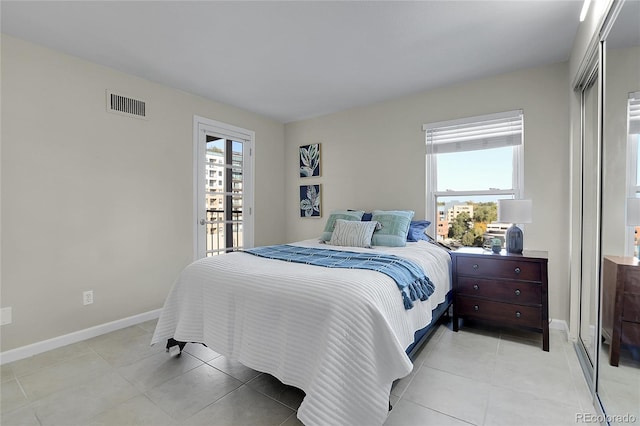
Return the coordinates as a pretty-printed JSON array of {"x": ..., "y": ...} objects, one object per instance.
[
  {"x": 619, "y": 387},
  {"x": 478, "y": 376}
]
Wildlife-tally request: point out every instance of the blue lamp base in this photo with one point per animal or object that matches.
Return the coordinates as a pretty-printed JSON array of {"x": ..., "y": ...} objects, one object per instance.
[{"x": 514, "y": 240}]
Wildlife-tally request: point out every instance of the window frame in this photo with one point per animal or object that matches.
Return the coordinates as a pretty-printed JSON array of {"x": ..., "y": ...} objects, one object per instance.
[
  {"x": 633, "y": 145},
  {"x": 202, "y": 129}
]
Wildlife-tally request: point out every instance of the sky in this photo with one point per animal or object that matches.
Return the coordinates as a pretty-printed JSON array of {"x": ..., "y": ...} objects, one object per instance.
[{"x": 476, "y": 170}]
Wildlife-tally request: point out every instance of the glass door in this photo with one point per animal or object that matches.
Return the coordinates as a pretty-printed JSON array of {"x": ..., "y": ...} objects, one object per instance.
[
  {"x": 223, "y": 181},
  {"x": 589, "y": 256},
  {"x": 619, "y": 358},
  {"x": 224, "y": 195}
]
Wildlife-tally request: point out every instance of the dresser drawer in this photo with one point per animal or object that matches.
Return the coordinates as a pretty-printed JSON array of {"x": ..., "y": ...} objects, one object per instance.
[
  {"x": 504, "y": 313},
  {"x": 525, "y": 293},
  {"x": 630, "y": 333},
  {"x": 487, "y": 267},
  {"x": 632, "y": 280},
  {"x": 631, "y": 307}
]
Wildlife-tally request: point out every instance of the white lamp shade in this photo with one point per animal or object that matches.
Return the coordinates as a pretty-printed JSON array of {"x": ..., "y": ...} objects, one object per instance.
[
  {"x": 515, "y": 211},
  {"x": 633, "y": 211}
]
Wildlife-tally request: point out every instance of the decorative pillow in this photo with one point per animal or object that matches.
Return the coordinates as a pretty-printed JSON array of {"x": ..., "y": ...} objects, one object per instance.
[
  {"x": 365, "y": 217},
  {"x": 395, "y": 226},
  {"x": 416, "y": 230},
  {"x": 352, "y": 234},
  {"x": 339, "y": 214}
]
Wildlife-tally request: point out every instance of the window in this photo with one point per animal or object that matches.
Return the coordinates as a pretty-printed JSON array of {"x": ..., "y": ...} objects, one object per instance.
[
  {"x": 471, "y": 164},
  {"x": 633, "y": 117},
  {"x": 633, "y": 155}
]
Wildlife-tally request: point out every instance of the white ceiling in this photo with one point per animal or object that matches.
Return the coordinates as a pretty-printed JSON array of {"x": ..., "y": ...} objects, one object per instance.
[{"x": 291, "y": 60}]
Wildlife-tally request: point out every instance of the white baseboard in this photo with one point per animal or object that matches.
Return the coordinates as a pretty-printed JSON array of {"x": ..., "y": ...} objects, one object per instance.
[
  {"x": 561, "y": 325},
  {"x": 88, "y": 333},
  {"x": 77, "y": 336}
]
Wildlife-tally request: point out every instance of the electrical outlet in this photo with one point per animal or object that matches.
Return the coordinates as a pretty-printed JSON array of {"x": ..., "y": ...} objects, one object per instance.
[
  {"x": 87, "y": 297},
  {"x": 5, "y": 316}
]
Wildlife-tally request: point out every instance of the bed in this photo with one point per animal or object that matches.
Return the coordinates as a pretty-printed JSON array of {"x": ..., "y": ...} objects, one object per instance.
[{"x": 343, "y": 336}]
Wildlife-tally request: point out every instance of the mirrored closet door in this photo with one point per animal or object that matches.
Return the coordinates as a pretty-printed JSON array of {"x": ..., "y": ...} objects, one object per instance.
[
  {"x": 590, "y": 200},
  {"x": 618, "y": 372},
  {"x": 587, "y": 202}
]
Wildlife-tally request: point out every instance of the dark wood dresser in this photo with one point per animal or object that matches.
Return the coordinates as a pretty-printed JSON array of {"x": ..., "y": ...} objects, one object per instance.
[
  {"x": 505, "y": 289},
  {"x": 620, "y": 304}
]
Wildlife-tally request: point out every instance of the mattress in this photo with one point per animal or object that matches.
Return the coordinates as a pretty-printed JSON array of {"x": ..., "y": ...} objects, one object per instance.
[{"x": 338, "y": 334}]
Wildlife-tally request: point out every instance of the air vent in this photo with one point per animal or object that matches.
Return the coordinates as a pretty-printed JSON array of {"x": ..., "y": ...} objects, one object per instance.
[{"x": 124, "y": 105}]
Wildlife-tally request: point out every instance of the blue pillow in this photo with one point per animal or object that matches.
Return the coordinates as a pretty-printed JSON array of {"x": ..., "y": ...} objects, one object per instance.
[
  {"x": 395, "y": 226},
  {"x": 416, "y": 230},
  {"x": 366, "y": 217}
]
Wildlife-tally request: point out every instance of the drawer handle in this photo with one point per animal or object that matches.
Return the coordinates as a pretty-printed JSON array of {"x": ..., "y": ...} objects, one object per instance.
[
  {"x": 476, "y": 286},
  {"x": 518, "y": 314},
  {"x": 475, "y": 266},
  {"x": 476, "y": 307},
  {"x": 517, "y": 271},
  {"x": 517, "y": 292}
]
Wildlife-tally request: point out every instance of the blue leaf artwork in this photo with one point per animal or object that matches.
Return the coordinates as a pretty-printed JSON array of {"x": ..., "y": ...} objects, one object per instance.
[
  {"x": 310, "y": 201},
  {"x": 310, "y": 160}
]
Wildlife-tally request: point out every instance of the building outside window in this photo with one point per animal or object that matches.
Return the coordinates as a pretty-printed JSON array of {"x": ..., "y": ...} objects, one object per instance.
[
  {"x": 471, "y": 164},
  {"x": 224, "y": 198}
]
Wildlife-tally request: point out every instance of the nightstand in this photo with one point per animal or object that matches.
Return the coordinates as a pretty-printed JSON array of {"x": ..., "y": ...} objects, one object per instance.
[
  {"x": 620, "y": 304},
  {"x": 505, "y": 289}
]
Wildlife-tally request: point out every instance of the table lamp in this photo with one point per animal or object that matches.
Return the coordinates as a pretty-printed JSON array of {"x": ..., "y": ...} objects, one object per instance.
[{"x": 514, "y": 212}]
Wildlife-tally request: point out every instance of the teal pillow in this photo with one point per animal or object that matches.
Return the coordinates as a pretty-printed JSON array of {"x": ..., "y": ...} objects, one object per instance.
[
  {"x": 339, "y": 214},
  {"x": 395, "y": 226}
]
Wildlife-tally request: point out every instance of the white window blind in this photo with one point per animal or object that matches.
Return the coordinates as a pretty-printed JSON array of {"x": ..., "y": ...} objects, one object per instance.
[
  {"x": 633, "y": 113},
  {"x": 472, "y": 134}
]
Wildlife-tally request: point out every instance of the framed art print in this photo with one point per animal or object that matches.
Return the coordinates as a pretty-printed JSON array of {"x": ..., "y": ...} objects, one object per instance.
[
  {"x": 310, "y": 203},
  {"x": 309, "y": 157}
]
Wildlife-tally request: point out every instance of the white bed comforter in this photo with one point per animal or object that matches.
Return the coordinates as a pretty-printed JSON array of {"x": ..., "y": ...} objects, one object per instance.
[{"x": 338, "y": 334}]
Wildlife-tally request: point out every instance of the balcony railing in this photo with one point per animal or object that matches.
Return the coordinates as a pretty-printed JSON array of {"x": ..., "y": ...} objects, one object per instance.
[{"x": 224, "y": 231}]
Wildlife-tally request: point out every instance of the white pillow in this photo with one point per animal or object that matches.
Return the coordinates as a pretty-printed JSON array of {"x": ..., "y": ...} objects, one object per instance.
[{"x": 353, "y": 234}]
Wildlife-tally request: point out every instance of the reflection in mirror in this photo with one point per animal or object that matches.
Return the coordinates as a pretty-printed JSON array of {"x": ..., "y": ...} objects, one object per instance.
[
  {"x": 590, "y": 189},
  {"x": 619, "y": 361}
]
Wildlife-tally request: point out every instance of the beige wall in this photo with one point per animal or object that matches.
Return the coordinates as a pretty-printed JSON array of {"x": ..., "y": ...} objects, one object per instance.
[
  {"x": 374, "y": 157},
  {"x": 96, "y": 201}
]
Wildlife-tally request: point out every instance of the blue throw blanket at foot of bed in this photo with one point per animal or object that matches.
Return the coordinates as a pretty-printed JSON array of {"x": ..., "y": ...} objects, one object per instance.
[{"x": 411, "y": 280}]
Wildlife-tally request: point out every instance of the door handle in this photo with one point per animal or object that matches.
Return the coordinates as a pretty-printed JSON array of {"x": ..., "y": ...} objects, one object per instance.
[{"x": 202, "y": 222}]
